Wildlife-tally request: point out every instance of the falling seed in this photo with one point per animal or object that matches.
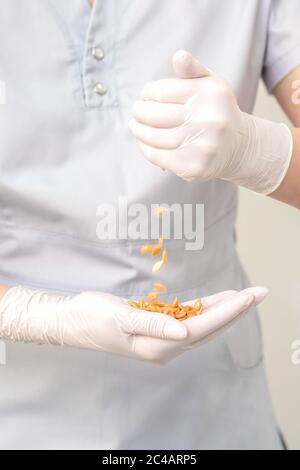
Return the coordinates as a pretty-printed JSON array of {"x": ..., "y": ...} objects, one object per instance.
[
  {"x": 160, "y": 211},
  {"x": 153, "y": 296},
  {"x": 159, "y": 287},
  {"x": 176, "y": 309},
  {"x": 157, "y": 267},
  {"x": 156, "y": 250},
  {"x": 146, "y": 249}
]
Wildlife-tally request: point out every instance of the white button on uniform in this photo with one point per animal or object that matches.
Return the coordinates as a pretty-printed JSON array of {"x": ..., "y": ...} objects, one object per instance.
[
  {"x": 100, "y": 88},
  {"x": 98, "y": 53}
]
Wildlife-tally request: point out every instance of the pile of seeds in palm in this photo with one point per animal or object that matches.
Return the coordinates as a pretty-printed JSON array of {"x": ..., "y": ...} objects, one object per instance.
[{"x": 153, "y": 303}]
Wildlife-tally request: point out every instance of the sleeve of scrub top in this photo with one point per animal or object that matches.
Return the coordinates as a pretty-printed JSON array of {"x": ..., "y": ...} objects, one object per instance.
[{"x": 282, "y": 53}]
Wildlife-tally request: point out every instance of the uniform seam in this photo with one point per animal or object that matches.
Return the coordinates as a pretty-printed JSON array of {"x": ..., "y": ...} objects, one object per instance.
[
  {"x": 127, "y": 294},
  {"x": 49, "y": 234}
]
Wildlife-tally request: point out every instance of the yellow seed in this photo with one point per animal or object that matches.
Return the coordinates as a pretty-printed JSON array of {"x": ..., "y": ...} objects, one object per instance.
[
  {"x": 179, "y": 312},
  {"x": 172, "y": 314},
  {"x": 155, "y": 250},
  {"x": 160, "y": 211},
  {"x": 159, "y": 287},
  {"x": 157, "y": 266},
  {"x": 153, "y": 296},
  {"x": 165, "y": 310},
  {"x": 180, "y": 315},
  {"x": 155, "y": 308},
  {"x": 172, "y": 309},
  {"x": 146, "y": 249},
  {"x": 153, "y": 303},
  {"x": 188, "y": 308}
]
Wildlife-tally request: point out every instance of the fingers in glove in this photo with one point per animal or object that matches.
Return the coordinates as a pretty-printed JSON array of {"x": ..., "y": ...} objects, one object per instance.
[
  {"x": 155, "y": 325},
  {"x": 157, "y": 350},
  {"x": 186, "y": 66},
  {"x": 170, "y": 90},
  {"x": 161, "y": 115},
  {"x": 259, "y": 293},
  {"x": 160, "y": 351},
  {"x": 168, "y": 139},
  {"x": 159, "y": 157},
  {"x": 222, "y": 311},
  {"x": 218, "y": 316},
  {"x": 172, "y": 160}
]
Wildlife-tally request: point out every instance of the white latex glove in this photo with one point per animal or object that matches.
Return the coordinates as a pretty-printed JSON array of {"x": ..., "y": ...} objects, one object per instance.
[
  {"x": 90, "y": 320},
  {"x": 103, "y": 322},
  {"x": 192, "y": 125}
]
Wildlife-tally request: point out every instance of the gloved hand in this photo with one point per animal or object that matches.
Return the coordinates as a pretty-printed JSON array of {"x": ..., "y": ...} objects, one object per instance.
[
  {"x": 103, "y": 322},
  {"x": 89, "y": 320},
  {"x": 192, "y": 125},
  {"x": 221, "y": 311}
]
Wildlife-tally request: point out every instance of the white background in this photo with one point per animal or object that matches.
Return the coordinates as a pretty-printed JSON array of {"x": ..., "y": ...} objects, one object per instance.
[{"x": 269, "y": 244}]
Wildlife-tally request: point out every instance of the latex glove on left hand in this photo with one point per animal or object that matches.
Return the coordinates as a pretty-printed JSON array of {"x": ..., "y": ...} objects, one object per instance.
[
  {"x": 90, "y": 320},
  {"x": 192, "y": 125}
]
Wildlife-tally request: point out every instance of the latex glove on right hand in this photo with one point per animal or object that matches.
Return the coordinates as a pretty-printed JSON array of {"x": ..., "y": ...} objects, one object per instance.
[
  {"x": 103, "y": 322},
  {"x": 193, "y": 126}
]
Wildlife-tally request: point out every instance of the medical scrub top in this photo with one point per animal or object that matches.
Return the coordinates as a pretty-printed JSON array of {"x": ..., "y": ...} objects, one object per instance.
[{"x": 71, "y": 75}]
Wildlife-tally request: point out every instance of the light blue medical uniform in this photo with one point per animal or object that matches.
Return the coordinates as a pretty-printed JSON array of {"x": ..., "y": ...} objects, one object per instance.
[{"x": 72, "y": 75}]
